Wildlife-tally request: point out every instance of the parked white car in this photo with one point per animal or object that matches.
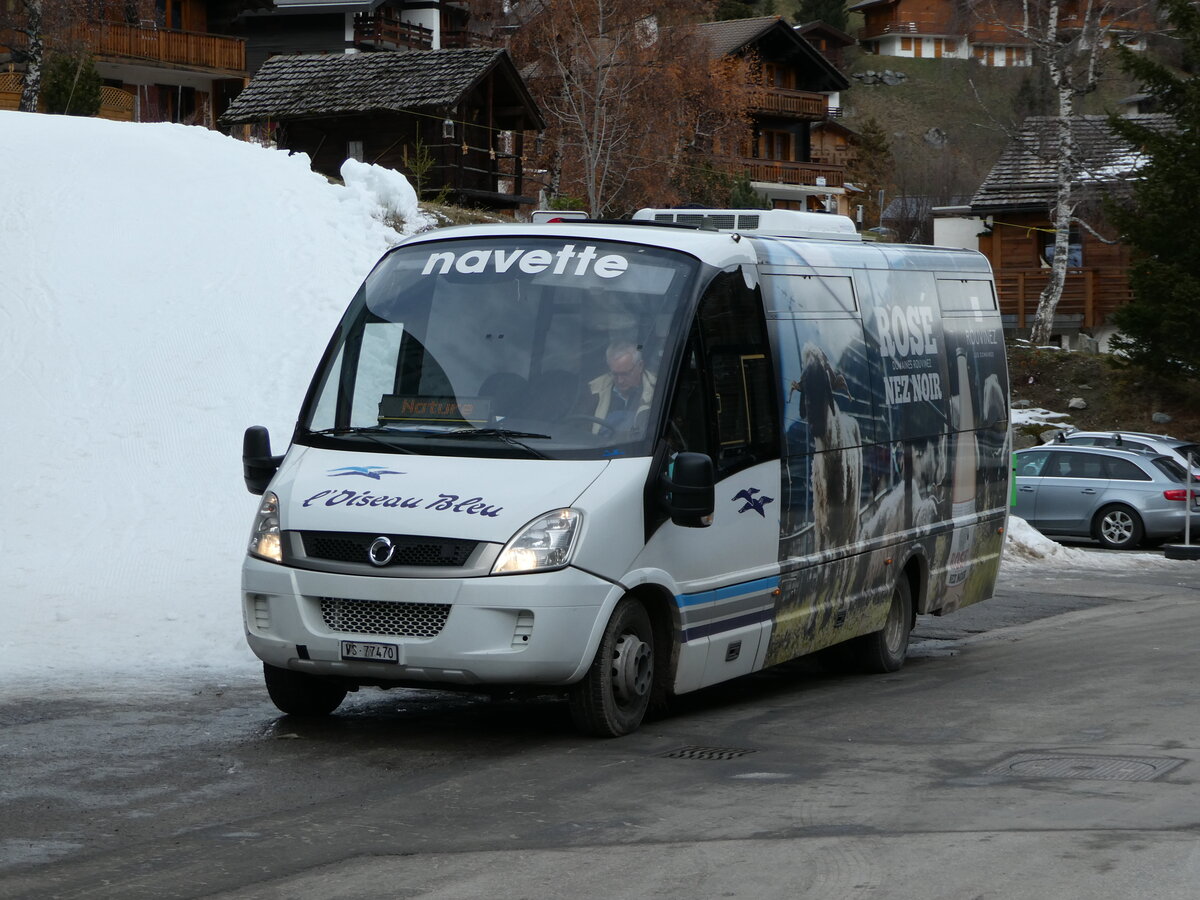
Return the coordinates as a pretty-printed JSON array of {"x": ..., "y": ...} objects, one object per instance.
[{"x": 1138, "y": 440}]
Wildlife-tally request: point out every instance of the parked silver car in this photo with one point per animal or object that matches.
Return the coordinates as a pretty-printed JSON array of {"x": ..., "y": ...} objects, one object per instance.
[
  {"x": 1139, "y": 440},
  {"x": 1119, "y": 497}
]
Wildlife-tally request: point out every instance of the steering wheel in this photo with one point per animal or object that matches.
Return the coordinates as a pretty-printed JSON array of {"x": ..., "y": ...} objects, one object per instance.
[{"x": 593, "y": 420}]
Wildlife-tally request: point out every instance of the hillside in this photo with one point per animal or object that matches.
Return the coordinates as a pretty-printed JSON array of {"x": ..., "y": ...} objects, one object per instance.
[
  {"x": 1117, "y": 398},
  {"x": 947, "y": 121}
]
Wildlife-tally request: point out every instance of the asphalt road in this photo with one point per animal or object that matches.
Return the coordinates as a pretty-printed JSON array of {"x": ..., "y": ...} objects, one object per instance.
[{"x": 1044, "y": 744}]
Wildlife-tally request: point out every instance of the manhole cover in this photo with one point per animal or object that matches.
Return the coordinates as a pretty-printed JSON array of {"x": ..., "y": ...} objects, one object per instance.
[
  {"x": 1106, "y": 768},
  {"x": 707, "y": 753}
]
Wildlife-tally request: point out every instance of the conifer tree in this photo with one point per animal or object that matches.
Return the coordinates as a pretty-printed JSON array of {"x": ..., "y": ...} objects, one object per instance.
[{"x": 1159, "y": 327}]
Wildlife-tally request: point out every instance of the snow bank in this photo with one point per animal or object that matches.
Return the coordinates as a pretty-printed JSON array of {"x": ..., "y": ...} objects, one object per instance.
[{"x": 164, "y": 287}]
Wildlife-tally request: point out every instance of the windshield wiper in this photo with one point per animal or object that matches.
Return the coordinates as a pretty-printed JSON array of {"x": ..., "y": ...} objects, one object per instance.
[
  {"x": 505, "y": 434},
  {"x": 370, "y": 432}
]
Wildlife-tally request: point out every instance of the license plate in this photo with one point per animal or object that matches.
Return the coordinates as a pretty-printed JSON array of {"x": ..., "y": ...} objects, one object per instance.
[{"x": 364, "y": 651}]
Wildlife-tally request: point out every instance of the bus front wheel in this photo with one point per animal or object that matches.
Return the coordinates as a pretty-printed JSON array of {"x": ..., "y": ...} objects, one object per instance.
[
  {"x": 301, "y": 694},
  {"x": 614, "y": 695}
]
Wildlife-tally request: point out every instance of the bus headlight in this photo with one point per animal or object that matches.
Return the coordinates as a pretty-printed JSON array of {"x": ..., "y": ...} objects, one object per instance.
[
  {"x": 264, "y": 538},
  {"x": 545, "y": 543}
]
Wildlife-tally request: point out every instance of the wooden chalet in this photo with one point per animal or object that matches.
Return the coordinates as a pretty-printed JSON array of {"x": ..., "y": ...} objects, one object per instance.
[
  {"x": 302, "y": 27},
  {"x": 178, "y": 65},
  {"x": 1015, "y": 202},
  {"x": 985, "y": 32},
  {"x": 798, "y": 88},
  {"x": 466, "y": 112},
  {"x": 830, "y": 42}
]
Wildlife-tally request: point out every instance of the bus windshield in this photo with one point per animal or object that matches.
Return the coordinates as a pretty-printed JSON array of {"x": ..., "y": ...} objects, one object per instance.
[{"x": 511, "y": 347}]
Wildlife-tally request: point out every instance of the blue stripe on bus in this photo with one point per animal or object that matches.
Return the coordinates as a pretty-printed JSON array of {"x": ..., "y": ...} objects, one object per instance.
[{"x": 734, "y": 590}]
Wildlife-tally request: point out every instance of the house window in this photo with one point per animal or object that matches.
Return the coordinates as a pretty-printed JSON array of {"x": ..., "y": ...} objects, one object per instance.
[
  {"x": 906, "y": 43},
  {"x": 354, "y": 150},
  {"x": 776, "y": 145},
  {"x": 1074, "y": 249}
]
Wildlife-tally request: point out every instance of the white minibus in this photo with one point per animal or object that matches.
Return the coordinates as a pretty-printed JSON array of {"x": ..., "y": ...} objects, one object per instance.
[{"x": 630, "y": 460}]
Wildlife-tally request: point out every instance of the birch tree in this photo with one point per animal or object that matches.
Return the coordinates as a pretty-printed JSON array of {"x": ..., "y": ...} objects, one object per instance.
[{"x": 1070, "y": 40}]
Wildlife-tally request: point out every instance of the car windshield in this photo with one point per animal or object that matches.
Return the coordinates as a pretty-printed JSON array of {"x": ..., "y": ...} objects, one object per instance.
[{"x": 507, "y": 347}]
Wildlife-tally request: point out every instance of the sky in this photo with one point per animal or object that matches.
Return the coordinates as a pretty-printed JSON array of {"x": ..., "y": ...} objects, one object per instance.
[{"x": 161, "y": 288}]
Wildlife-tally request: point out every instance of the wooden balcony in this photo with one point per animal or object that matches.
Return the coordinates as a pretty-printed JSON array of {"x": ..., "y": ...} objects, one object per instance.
[
  {"x": 792, "y": 104},
  {"x": 916, "y": 27},
  {"x": 118, "y": 42},
  {"x": 798, "y": 173},
  {"x": 384, "y": 32},
  {"x": 995, "y": 33},
  {"x": 1088, "y": 299}
]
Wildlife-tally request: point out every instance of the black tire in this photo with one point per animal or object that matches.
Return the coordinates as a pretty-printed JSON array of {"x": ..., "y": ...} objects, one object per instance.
[
  {"x": 1118, "y": 528},
  {"x": 614, "y": 695},
  {"x": 886, "y": 649},
  {"x": 301, "y": 694}
]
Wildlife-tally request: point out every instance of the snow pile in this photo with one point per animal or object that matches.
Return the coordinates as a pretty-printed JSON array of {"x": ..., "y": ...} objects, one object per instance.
[
  {"x": 1026, "y": 547},
  {"x": 383, "y": 194},
  {"x": 1037, "y": 416},
  {"x": 163, "y": 288}
]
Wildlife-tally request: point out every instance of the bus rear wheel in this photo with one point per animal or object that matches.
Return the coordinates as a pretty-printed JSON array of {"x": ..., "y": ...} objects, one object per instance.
[
  {"x": 614, "y": 695},
  {"x": 301, "y": 694},
  {"x": 885, "y": 650}
]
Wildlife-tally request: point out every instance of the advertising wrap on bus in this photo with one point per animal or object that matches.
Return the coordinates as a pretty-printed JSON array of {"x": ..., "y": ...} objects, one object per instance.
[{"x": 629, "y": 461}]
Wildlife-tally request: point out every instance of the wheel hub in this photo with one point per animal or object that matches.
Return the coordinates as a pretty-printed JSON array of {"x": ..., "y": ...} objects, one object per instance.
[
  {"x": 1117, "y": 527},
  {"x": 632, "y": 668}
]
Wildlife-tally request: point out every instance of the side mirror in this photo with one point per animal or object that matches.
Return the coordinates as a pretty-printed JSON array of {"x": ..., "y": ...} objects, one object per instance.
[
  {"x": 691, "y": 490},
  {"x": 258, "y": 465}
]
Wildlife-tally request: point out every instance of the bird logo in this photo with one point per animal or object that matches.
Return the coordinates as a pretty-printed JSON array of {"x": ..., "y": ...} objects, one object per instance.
[
  {"x": 752, "y": 502},
  {"x": 376, "y": 472}
]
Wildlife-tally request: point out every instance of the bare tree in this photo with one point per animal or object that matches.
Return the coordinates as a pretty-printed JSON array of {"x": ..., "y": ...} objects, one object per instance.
[
  {"x": 630, "y": 97},
  {"x": 1069, "y": 39}
]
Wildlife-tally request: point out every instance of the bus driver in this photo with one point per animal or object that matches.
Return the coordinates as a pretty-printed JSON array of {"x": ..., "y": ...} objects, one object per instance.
[{"x": 623, "y": 393}]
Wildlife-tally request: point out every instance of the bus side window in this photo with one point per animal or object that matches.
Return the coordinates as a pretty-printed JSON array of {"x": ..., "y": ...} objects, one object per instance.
[
  {"x": 737, "y": 355},
  {"x": 687, "y": 426}
]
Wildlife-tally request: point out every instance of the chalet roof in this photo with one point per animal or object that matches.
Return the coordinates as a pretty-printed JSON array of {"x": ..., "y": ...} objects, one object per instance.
[
  {"x": 776, "y": 41},
  {"x": 1025, "y": 175},
  {"x": 312, "y": 7},
  {"x": 838, "y": 36},
  {"x": 867, "y": 3},
  {"x": 298, "y": 87}
]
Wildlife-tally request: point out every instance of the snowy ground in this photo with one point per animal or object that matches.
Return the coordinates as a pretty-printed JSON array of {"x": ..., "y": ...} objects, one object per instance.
[{"x": 161, "y": 288}]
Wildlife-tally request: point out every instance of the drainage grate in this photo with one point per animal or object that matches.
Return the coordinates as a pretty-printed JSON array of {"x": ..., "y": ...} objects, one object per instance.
[
  {"x": 1105, "y": 768},
  {"x": 706, "y": 753}
]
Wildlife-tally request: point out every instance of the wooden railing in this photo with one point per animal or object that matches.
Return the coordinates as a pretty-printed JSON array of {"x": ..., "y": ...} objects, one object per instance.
[
  {"x": 458, "y": 40},
  {"x": 116, "y": 104},
  {"x": 161, "y": 45},
  {"x": 780, "y": 172},
  {"x": 383, "y": 31},
  {"x": 795, "y": 103},
  {"x": 11, "y": 85},
  {"x": 1089, "y": 295},
  {"x": 909, "y": 26}
]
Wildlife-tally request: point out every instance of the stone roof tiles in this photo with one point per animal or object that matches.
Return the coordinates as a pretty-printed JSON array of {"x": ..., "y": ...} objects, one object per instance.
[
  {"x": 292, "y": 87},
  {"x": 1026, "y": 177}
]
